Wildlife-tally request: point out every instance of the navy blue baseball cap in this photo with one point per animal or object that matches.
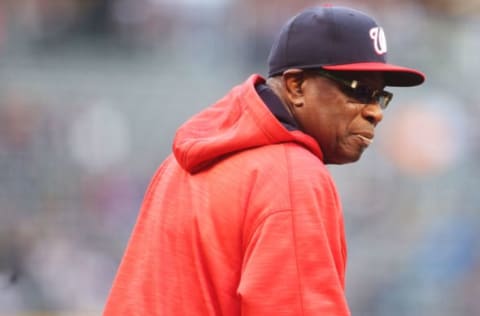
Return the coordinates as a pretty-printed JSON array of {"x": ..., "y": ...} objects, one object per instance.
[{"x": 337, "y": 39}]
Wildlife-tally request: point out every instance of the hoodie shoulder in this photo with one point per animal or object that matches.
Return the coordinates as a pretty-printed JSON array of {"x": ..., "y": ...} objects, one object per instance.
[{"x": 238, "y": 121}]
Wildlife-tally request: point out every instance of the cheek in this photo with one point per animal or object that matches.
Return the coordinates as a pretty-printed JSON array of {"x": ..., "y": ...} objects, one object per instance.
[
  {"x": 332, "y": 126},
  {"x": 327, "y": 112},
  {"x": 319, "y": 121},
  {"x": 326, "y": 115}
]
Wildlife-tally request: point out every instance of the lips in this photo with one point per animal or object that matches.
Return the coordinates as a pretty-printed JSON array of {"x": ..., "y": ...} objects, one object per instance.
[{"x": 366, "y": 138}]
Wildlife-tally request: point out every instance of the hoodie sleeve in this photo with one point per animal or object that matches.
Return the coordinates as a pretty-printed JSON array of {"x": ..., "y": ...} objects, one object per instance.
[{"x": 294, "y": 265}]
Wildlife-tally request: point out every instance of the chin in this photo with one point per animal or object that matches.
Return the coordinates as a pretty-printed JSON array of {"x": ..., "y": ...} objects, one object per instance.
[{"x": 344, "y": 158}]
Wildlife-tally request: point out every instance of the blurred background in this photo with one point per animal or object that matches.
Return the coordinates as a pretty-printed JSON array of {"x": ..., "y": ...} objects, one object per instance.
[{"x": 91, "y": 92}]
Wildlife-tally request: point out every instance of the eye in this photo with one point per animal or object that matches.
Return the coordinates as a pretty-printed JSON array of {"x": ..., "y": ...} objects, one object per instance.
[
  {"x": 362, "y": 93},
  {"x": 365, "y": 90}
]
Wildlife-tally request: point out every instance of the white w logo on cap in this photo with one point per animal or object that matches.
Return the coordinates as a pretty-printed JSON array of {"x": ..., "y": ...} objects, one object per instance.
[{"x": 379, "y": 41}]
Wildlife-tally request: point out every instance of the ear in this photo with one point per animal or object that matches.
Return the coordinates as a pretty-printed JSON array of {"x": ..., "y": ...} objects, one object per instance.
[{"x": 294, "y": 79}]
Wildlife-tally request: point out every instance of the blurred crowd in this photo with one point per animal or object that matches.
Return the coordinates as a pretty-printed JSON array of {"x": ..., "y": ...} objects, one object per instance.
[{"x": 91, "y": 92}]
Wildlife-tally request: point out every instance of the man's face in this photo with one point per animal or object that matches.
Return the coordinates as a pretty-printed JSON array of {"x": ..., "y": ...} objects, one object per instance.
[{"x": 342, "y": 125}]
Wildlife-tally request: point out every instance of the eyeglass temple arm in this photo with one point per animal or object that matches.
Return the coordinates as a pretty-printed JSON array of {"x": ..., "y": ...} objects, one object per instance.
[{"x": 352, "y": 84}]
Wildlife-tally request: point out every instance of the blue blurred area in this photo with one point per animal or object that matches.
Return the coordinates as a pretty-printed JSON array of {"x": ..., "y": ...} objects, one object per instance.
[{"x": 91, "y": 92}]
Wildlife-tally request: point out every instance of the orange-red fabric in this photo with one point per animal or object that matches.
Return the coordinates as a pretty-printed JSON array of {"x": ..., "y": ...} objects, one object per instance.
[{"x": 243, "y": 219}]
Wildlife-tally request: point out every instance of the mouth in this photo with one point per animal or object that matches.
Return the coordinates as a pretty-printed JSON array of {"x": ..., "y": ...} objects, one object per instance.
[{"x": 366, "y": 139}]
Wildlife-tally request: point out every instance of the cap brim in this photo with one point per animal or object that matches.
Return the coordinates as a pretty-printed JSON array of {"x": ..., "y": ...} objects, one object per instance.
[{"x": 394, "y": 75}]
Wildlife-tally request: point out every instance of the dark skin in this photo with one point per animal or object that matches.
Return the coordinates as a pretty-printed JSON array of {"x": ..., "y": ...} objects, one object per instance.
[{"x": 342, "y": 126}]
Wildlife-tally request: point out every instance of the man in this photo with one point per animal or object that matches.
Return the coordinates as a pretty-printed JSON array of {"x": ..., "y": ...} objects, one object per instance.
[{"x": 244, "y": 218}]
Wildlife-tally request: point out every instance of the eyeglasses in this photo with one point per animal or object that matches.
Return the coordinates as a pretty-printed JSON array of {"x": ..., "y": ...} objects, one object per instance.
[{"x": 358, "y": 91}]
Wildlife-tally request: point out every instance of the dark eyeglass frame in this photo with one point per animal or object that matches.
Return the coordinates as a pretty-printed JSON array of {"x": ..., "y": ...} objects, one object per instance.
[{"x": 358, "y": 91}]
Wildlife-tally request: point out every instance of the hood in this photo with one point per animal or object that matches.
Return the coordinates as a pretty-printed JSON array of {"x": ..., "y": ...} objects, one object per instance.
[{"x": 238, "y": 121}]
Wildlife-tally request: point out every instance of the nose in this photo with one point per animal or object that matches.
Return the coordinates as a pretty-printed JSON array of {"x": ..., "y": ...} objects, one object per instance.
[{"x": 372, "y": 113}]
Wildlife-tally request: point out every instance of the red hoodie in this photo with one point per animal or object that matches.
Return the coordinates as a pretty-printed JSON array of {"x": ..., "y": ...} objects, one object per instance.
[{"x": 242, "y": 219}]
